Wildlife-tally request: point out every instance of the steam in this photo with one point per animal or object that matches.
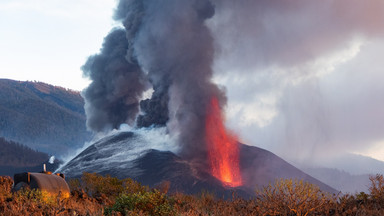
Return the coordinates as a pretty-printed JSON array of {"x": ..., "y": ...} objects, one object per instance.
[{"x": 51, "y": 160}]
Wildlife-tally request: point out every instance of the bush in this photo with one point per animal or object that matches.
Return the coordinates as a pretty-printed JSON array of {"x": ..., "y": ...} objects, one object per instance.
[
  {"x": 5, "y": 187},
  {"x": 96, "y": 185},
  {"x": 36, "y": 196},
  {"x": 377, "y": 188},
  {"x": 292, "y": 197},
  {"x": 149, "y": 203}
]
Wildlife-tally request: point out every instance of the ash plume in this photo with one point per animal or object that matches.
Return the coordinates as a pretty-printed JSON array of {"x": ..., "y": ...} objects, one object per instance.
[
  {"x": 175, "y": 47},
  {"x": 170, "y": 42}
]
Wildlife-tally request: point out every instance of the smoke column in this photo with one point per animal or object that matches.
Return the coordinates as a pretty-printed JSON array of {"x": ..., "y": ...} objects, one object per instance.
[{"x": 168, "y": 44}]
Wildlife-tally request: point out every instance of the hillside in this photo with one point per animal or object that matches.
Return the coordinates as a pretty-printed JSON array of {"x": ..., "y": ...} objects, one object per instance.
[
  {"x": 16, "y": 158},
  {"x": 43, "y": 117},
  {"x": 344, "y": 181},
  {"x": 347, "y": 172},
  {"x": 18, "y": 155}
]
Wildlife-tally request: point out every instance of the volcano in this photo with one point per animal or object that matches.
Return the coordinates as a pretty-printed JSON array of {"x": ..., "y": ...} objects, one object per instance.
[{"x": 133, "y": 155}]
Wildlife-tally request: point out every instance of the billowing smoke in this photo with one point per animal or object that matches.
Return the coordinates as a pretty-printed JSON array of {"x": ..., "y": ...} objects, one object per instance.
[
  {"x": 170, "y": 42},
  {"x": 155, "y": 109},
  {"x": 117, "y": 85}
]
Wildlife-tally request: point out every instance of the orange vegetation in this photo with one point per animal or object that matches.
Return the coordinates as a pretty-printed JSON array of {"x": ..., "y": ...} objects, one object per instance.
[{"x": 94, "y": 194}]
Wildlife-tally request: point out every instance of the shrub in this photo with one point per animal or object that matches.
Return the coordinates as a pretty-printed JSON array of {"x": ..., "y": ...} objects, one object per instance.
[
  {"x": 292, "y": 197},
  {"x": 132, "y": 186},
  {"x": 35, "y": 196},
  {"x": 5, "y": 187},
  {"x": 74, "y": 184},
  {"x": 150, "y": 203},
  {"x": 96, "y": 185},
  {"x": 377, "y": 188}
]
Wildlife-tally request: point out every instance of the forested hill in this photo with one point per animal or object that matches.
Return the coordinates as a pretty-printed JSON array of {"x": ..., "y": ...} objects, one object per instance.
[
  {"x": 18, "y": 158},
  {"x": 18, "y": 155},
  {"x": 43, "y": 117}
]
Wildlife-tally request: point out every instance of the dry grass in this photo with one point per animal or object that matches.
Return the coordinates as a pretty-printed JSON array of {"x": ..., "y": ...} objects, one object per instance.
[{"x": 97, "y": 195}]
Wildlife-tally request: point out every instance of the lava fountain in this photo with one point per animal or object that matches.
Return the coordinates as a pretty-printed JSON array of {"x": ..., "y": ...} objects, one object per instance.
[{"x": 223, "y": 150}]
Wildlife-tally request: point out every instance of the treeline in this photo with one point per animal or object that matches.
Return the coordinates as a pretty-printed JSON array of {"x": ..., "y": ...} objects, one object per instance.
[
  {"x": 35, "y": 82},
  {"x": 94, "y": 194},
  {"x": 17, "y": 155}
]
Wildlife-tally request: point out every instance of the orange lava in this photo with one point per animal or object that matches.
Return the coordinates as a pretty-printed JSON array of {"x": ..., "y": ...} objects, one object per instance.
[{"x": 223, "y": 150}]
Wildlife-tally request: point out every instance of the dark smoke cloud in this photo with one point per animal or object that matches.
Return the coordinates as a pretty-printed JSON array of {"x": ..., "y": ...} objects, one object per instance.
[
  {"x": 170, "y": 41},
  {"x": 155, "y": 109},
  {"x": 117, "y": 85}
]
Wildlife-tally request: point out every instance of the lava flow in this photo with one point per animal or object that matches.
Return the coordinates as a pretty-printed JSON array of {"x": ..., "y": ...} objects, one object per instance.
[{"x": 223, "y": 151}]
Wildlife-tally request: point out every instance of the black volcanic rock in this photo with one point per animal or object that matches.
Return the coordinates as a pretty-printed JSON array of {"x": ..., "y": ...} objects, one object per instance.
[
  {"x": 158, "y": 166},
  {"x": 129, "y": 155},
  {"x": 133, "y": 155},
  {"x": 259, "y": 167}
]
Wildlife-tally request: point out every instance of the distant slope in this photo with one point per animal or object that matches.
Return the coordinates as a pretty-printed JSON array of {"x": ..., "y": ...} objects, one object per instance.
[
  {"x": 15, "y": 158},
  {"x": 341, "y": 180},
  {"x": 261, "y": 167},
  {"x": 347, "y": 172},
  {"x": 42, "y": 116},
  {"x": 356, "y": 164}
]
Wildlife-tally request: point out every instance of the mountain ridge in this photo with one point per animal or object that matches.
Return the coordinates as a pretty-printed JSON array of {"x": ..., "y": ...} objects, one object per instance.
[
  {"x": 17, "y": 158},
  {"x": 42, "y": 116}
]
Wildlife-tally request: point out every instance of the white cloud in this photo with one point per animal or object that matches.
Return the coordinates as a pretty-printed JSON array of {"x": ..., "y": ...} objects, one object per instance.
[{"x": 375, "y": 150}]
